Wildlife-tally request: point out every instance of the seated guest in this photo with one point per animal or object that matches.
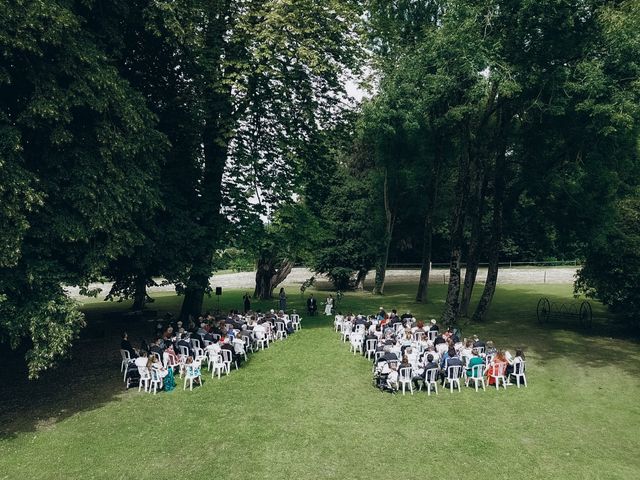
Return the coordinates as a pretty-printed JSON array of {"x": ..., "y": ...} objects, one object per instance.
[
  {"x": 201, "y": 331},
  {"x": 227, "y": 345},
  {"x": 451, "y": 359},
  {"x": 490, "y": 349},
  {"x": 125, "y": 344},
  {"x": 511, "y": 361},
  {"x": 466, "y": 351},
  {"x": 388, "y": 355},
  {"x": 499, "y": 363},
  {"x": 477, "y": 343},
  {"x": 185, "y": 342},
  {"x": 434, "y": 326},
  {"x": 141, "y": 361},
  {"x": 171, "y": 356},
  {"x": 429, "y": 364},
  {"x": 474, "y": 361},
  {"x": 156, "y": 347}
]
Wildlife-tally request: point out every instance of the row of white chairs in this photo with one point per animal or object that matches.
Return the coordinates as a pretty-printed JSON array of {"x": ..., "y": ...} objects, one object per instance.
[
  {"x": 453, "y": 375},
  {"x": 217, "y": 363}
]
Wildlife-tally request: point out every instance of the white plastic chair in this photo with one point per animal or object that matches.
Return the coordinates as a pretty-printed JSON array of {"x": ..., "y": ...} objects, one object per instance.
[
  {"x": 337, "y": 323},
  {"x": 360, "y": 329},
  {"x": 432, "y": 334},
  {"x": 155, "y": 381},
  {"x": 227, "y": 359},
  {"x": 499, "y": 375},
  {"x": 145, "y": 378},
  {"x": 192, "y": 371},
  {"x": 356, "y": 343},
  {"x": 184, "y": 353},
  {"x": 346, "y": 331},
  {"x": 199, "y": 354},
  {"x": 417, "y": 336},
  {"x": 453, "y": 377},
  {"x": 370, "y": 347},
  {"x": 296, "y": 321},
  {"x": 405, "y": 378},
  {"x": 126, "y": 360},
  {"x": 168, "y": 363},
  {"x": 261, "y": 340},
  {"x": 477, "y": 376},
  {"x": 518, "y": 372},
  {"x": 215, "y": 363},
  {"x": 431, "y": 380},
  {"x": 281, "y": 330}
]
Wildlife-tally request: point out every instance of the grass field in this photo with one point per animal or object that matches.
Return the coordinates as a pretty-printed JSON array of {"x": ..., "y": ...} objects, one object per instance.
[{"x": 305, "y": 408}]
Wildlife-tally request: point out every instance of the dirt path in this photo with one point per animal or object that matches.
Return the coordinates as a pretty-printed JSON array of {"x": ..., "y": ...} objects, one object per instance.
[{"x": 514, "y": 276}]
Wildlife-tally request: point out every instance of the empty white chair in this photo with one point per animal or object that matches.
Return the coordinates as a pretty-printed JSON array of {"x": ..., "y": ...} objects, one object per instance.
[
  {"x": 360, "y": 329},
  {"x": 518, "y": 372},
  {"x": 126, "y": 360},
  {"x": 432, "y": 334},
  {"x": 296, "y": 321},
  {"x": 346, "y": 331},
  {"x": 417, "y": 336},
  {"x": 477, "y": 376},
  {"x": 404, "y": 379},
  {"x": 356, "y": 341},
  {"x": 453, "y": 377}
]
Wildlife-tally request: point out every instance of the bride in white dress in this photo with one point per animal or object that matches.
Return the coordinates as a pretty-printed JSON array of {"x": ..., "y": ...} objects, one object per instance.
[{"x": 329, "y": 306}]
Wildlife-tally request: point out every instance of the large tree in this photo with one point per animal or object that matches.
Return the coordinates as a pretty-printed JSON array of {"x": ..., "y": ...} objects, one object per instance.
[{"x": 79, "y": 160}]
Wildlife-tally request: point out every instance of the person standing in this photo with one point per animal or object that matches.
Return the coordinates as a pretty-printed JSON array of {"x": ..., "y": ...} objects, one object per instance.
[
  {"x": 283, "y": 300},
  {"x": 247, "y": 302},
  {"x": 329, "y": 306},
  {"x": 312, "y": 305}
]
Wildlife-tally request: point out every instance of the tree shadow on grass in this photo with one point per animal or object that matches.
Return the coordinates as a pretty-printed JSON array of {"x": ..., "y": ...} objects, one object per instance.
[{"x": 88, "y": 380}]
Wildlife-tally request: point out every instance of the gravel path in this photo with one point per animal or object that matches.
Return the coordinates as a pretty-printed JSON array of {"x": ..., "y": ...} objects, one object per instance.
[{"x": 506, "y": 276}]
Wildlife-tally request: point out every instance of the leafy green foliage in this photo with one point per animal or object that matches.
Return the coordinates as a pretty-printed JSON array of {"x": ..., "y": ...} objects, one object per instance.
[
  {"x": 611, "y": 272},
  {"x": 80, "y": 158}
]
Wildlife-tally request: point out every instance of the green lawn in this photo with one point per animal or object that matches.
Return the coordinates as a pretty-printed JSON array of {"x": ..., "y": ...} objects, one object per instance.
[{"x": 305, "y": 408}]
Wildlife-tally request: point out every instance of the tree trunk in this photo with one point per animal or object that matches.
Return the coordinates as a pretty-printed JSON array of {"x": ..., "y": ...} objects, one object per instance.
[
  {"x": 475, "y": 242},
  {"x": 390, "y": 218},
  {"x": 140, "y": 293},
  {"x": 194, "y": 297},
  {"x": 269, "y": 276},
  {"x": 217, "y": 128},
  {"x": 496, "y": 228},
  {"x": 360, "y": 278},
  {"x": 457, "y": 232},
  {"x": 432, "y": 195}
]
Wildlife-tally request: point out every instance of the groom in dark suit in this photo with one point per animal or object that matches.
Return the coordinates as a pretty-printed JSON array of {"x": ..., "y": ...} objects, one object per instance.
[{"x": 312, "y": 305}]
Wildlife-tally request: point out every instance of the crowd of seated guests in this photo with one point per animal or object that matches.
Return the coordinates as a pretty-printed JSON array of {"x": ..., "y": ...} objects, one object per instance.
[
  {"x": 178, "y": 348},
  {"x": 395, "y": 342}
]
